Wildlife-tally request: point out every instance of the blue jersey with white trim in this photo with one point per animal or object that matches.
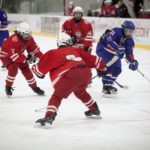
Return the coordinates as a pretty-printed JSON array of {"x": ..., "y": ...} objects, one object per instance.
[{"x": 112, "y": 42}]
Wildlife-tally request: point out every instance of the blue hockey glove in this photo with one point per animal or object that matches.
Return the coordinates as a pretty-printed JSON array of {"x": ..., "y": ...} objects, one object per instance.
[{"x": 134, "y": 65}]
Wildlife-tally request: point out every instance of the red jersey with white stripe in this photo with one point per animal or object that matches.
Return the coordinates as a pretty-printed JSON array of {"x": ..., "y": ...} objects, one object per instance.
[
  {"x": 14, "y": 47},
  {"x": 81, "y": 32},
  {"x": 61, "y": 60}
]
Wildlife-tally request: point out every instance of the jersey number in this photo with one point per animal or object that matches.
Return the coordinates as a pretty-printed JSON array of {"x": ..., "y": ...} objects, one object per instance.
[{"x": 73, "y": 57}]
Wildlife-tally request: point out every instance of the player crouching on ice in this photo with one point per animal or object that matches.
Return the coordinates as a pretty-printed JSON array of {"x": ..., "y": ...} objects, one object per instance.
[
  {"x": 12, "y": 56},
  {"x": 69, "y": 69}
]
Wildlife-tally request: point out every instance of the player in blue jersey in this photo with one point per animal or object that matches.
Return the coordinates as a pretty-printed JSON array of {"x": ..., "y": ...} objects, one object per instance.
[
  {"x": 3, "y": 27},
  {"x": 112, "y": 47}
]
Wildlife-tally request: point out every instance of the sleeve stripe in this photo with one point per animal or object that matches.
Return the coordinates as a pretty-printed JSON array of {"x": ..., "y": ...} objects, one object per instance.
[
  {"x": 88, "y": 39},
  {"x": 35, "y": 51},
  {"x": 97, "y": 61},
  {"x": 3, "y": 53},
  {"x": 15, "y": 57},
  {"x": 89, "y": 36},
  {"x": 36, "y": 70}
]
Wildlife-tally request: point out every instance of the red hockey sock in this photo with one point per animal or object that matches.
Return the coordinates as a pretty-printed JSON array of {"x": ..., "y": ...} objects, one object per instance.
[
  {"x": 53, "y": 105},
  {"x": 85, "y": 97},
  {"x": 12, "y": 72},
  {"x": 29, "y": 77}
]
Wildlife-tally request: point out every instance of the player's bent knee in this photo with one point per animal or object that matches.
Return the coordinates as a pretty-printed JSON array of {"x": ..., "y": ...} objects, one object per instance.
[{"x": 12, "y": 68}]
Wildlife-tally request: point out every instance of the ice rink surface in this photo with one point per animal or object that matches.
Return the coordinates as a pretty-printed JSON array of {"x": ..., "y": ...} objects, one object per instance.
[{"x": 126, "y": 116}]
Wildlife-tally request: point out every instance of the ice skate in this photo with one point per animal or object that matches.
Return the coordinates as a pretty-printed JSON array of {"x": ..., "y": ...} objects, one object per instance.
[
  {"x": 8, "y": 90},
  {"x": 108, "y": 90},
  {"x": 113, "y": 89},
  {"x": 38, "y": 91},
  {"x": 93, "y": 114},
  {"x": 46, "y": 122}
]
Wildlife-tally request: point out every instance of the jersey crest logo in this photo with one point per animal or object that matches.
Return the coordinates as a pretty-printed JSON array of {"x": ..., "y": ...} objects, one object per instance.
[
  {"x": 78, "y": 34},
  {"x": 15, "y": 39}
]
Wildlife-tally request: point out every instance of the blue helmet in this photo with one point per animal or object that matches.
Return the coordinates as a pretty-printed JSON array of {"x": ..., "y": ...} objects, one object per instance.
[{"x": 128, "y": 25}]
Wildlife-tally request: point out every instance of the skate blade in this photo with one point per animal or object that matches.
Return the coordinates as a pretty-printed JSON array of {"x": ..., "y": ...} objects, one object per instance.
[
  {"x": 106, "y": 95},
  {"x": 9, "y": 96},
  {"x": 41, "y": 95},
  {"x": 45, "y": 126},
  {"x": 94, "y": 117},
  {"x": 114, "y": 92}
]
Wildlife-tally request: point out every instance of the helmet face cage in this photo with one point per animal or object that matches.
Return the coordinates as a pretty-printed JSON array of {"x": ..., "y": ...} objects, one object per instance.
[{"x": 64, "y": 39}]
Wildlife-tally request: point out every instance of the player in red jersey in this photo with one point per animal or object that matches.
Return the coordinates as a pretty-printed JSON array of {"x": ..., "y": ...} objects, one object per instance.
[
  {"x": 13, "y": 57},
  {"x": 108, "y": 9},
  {"x": 69, "y": 69},
  {"x": 79, "y": 29}
]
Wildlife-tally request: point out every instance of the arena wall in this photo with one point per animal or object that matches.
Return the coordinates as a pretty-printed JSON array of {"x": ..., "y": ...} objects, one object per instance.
[{"x": 47, "y": 25}]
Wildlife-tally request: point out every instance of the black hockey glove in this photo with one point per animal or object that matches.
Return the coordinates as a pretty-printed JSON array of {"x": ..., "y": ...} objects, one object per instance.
[
  {"x": 101, "y": 73},
  {"x": 31, "y": 59},
  {"x": 87, "y": 49}
]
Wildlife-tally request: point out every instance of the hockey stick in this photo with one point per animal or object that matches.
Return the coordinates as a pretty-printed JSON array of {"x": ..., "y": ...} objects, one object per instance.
[
  {"x": 40, "y": 110},
  {"x": 94, "y": 77},
  {"x": 143, "y": 75},
  {"x": 120, "y": 85}
]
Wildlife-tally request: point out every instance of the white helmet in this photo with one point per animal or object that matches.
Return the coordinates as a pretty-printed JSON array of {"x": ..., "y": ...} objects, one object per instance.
[
  {"x": 108, "y": 1},
  {"x": 78, "y": 9},
  {"x": 23, "y": 28},
  {"x": 64, "y": 39}
]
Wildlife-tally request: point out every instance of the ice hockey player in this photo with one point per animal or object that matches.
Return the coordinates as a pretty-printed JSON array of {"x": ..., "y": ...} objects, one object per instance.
[
  {"x": 69, "y": 69},
  {"x": 79, "y": 29},
  {"x": 13, "y": 57},
  {"x": 112, "y": 47},
  {"x": 4, "y": 34}
]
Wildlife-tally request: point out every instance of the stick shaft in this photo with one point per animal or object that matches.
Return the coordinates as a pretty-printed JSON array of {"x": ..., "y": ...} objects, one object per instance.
[
  {"x": 119, "y": 84},
  {"x": 143, "y": 75}
]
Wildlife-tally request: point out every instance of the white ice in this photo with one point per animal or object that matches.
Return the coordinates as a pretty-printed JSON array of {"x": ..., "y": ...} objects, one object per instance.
[{"x": 126, "y": 116}]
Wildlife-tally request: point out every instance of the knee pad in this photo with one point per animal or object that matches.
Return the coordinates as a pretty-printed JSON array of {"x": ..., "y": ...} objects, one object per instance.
[
  {"x": 80, "y": 94},
  {"x": 12, "y": 68},
  {"x": 24, "y": 68}
]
